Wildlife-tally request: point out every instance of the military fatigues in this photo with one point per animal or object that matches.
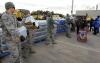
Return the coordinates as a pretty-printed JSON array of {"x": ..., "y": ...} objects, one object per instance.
[
  {"x": 29, "y": 37},
  {"x": 9, "y": 28},
  {"x": 29, "y": 46},
  {"x": 68, "y": 26},
  {"x": 50, "y": 24}
]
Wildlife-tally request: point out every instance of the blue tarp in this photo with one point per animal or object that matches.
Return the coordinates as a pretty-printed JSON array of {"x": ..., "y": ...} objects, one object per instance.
[{"x": 4, "y": 54}]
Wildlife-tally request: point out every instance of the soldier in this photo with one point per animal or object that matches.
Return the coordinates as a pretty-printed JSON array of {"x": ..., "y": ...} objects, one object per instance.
[
  {"x": 9, "y": 27},
  {"x": 50, "y": 24},
  {"x": 67, "y": 25},
  {"x": 29, "y": 25}
]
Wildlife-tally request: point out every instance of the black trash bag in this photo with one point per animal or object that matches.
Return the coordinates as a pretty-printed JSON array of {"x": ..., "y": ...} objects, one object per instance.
[{"x": 22, "y": 38}]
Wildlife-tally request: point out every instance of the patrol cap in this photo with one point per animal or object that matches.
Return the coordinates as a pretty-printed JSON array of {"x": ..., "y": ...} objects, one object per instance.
[{"x": 9, "y": 5}]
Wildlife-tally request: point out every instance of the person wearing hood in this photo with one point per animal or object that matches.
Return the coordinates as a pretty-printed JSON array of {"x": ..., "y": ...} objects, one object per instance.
[
  {"x": 28, "y": 23},
  {"x": 96, "y": 25}
]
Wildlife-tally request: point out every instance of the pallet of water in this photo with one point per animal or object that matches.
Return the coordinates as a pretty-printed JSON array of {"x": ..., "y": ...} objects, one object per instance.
[
  {"x": 60, "y": 26},
  {"x": 40, "y": 33}
]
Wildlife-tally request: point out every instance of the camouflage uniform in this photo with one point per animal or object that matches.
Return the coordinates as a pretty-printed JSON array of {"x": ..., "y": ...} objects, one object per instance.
[
  {"x": 29, "y": 46},
  {"x": 30, "y": 31},
  {"x": 50, "y": 24},
  {"x": 9, "y": 28},
  {"x": 68, "y": 26}
]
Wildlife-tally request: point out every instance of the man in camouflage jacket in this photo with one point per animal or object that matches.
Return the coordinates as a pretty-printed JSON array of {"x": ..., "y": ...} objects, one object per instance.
[{"x": 9, "y": 27}]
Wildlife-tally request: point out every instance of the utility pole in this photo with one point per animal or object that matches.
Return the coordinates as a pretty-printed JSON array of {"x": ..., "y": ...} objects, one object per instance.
[
  {"x": 97, "y": 7},
  {"x": 72, "y": 7}
]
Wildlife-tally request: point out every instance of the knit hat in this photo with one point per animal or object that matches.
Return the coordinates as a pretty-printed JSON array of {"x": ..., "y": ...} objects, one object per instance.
[{"x": 9, "y": 5}]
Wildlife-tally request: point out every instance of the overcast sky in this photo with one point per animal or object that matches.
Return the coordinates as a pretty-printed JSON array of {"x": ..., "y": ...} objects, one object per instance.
[{"x": 59, "y": 6}]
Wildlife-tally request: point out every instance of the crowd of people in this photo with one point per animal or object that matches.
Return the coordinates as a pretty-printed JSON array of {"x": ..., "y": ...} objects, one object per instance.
[
  {"x": 81, "y": 23},
  {"x": 9, "y": 26},
  {"x": 91, "y": 25}
]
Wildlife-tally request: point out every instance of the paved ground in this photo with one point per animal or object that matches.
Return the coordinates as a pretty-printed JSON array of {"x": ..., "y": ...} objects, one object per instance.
[{"x": 68, "y": 51}]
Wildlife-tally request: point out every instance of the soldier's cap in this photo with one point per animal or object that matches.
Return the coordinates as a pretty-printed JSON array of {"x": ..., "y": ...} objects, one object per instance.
[{"x": 9, "y": 5}]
